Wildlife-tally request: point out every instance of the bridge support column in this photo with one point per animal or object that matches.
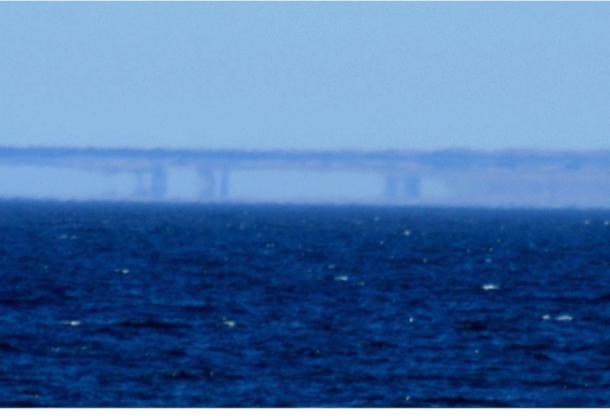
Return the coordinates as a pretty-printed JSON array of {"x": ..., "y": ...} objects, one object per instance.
[
  {"x": 401, "y": 188},
  {"x": 224, "y": 184},
  {"x": 206, "y": 184},
  {"x": 390, "y": 190},
  {"x": 411, "y": 187},
  {"x": 140, "y": 190},
  {"x": 213, "y": 185},
  {"x": 158, "y": 183},
  {"x": 151, "y": 184}
]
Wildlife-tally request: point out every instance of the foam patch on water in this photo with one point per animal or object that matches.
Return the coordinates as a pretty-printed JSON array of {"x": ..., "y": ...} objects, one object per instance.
[
  {"x": 229, "y": 323},
  {"x": 563, "y": 317}
]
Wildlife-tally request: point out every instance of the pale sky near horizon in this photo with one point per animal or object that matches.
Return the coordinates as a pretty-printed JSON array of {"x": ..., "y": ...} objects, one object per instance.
[{"x": 306, "y": 75}]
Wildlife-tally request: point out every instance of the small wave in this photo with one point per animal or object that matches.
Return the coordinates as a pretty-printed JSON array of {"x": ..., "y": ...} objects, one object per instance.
[
  {"x": 21, "y": 403},
  {"x": 6, "y": 347},
  {"x": 461, "y": 401},
  {"x": 32, "y": 301},
  {"x": 309, "y": 352},
  {"x": 149, "y": 324},
  {"x": 603, "y": 298},
  {"x": 474, "y": 326},
  {"x": 197, "y": 309},
  {"x": 188, "y": 375},
  {"x": 380, "y": 344}
]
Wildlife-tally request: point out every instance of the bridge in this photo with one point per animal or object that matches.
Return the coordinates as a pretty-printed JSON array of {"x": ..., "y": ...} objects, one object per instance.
[{"x": 466, "y": 176}]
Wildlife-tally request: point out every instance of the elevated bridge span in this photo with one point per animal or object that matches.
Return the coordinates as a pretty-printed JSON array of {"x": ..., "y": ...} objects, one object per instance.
[{"x": 465, "y": 173}]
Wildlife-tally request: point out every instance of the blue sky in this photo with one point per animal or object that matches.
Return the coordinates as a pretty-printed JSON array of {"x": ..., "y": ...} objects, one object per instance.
[{"x": 306, "y": 75}]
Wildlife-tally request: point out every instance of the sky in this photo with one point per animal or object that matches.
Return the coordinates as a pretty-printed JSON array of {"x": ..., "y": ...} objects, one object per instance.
[{"x": 366, "y": 76}]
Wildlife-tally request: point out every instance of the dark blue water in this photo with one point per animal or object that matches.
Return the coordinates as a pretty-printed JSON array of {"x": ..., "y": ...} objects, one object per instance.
[{"x": 179, "y": 305}]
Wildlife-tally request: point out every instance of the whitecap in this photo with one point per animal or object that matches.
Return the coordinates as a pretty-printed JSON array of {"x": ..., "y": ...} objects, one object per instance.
[
  {"x": 229, "y": 323},
  {"x": 490, "y": 286},
  {"x": 546, "y": 316},
  {"x": 72, "y": 323},
  {"x": 341, "y": 278},
  {"x": 406, "y": 233},
  {"x": 564, "y": 317}
]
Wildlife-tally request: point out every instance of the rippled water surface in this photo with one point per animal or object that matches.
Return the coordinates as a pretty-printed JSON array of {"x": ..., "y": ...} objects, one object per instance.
[{"x": 185, "y": 305}]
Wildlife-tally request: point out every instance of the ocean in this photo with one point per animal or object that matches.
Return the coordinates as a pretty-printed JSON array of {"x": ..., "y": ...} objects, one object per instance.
[{"x": 119, "y": 304}]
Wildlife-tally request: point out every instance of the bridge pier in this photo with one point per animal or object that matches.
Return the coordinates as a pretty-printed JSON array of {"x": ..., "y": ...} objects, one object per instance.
[
  {"x": 399, "y": 188},
  {"x": 390, "y": 189},
  {"x": 140, "y": 190},
  {"x": 208, "y": 185},
  {"x": 151, "y": 184},
  {"x": 158, "y": 183},
  {"x": 411, "y": 187},
  {"x": 224, "y": 184}
]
